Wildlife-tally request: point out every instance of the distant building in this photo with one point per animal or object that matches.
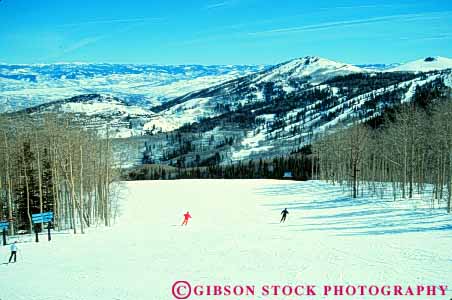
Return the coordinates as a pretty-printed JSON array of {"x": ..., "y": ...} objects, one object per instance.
[{"x": 288, "y": 174}]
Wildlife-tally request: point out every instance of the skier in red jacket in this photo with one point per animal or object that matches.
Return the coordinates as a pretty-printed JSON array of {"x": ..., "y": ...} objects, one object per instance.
[{"x": 186, "y": 217}]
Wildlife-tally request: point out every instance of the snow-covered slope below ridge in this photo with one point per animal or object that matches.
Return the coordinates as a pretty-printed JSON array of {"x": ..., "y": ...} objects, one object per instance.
[
  {"x": 93, "y": 104},
  {"x": 286, "y": 76},
  {"x": 425, "y": 65},
  {"x": 100, "y": 112},
  {"x": 275, "y": 112},
  {"x": 289, "y": 77}
]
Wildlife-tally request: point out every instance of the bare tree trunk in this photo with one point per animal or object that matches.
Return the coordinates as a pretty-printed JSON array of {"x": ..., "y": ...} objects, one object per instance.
[
  {"x": 8, "y": 181},
  {"x": 443, "y": 175},
  {"x": 411, "y": 170},
  {"x": 38, "y": 161},
  {"x": 354, "y": 179},
  {"x": 449, "y": 203},
  {"x": 107, "y": 183},
  {"x": 27, "y": 190},
  {"x": 82, "y": 228},
  {"x": 71, "y": 182},
  {"x": 404, "y": 169}
]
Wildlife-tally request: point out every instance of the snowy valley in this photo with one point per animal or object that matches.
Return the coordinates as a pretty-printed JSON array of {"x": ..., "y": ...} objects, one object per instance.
[{"x": 24, "y": 86}]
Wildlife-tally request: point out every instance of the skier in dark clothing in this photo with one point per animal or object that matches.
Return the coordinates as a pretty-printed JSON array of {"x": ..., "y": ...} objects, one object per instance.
[
  {"x": 13, "y": 248},
  {"x": 284, "y": 214}
]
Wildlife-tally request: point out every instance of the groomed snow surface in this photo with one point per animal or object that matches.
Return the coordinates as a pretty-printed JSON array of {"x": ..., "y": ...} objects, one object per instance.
[{"x": 235, "y": 238}]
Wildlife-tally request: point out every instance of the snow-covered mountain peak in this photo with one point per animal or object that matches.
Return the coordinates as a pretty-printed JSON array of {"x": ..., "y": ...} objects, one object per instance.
[
  {"x": 426, "y": 64},
  {"x": 317, "y": 68}
]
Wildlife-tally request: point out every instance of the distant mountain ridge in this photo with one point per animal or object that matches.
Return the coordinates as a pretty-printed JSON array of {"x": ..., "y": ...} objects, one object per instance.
[
  {"x": 289, "y": 77},
  {"x": 280, "y": 109},
  {"x": 263, "y": 113},
  {"x": 25, "y": 86},
  {"x": 378, "y": 67}
]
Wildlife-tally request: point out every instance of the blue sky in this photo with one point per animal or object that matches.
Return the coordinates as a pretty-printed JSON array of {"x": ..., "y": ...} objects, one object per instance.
[{"x": 222, "y": 31}]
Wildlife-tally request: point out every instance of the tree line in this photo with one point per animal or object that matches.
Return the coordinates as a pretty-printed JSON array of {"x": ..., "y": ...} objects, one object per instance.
[
  {"x": 411, "y": 152},
  {"x": 53, "y": 163},
  {"x": 298, "y": 164}
]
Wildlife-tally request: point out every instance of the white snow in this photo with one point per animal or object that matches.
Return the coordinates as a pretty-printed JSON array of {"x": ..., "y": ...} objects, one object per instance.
[
  {"x": 252, "y": 143},
  {"x": 162, "y": 122},
  {"x": 178, "y": 115},
  {"x": 243, "y": 153},
  {"x": 425, "y": 65},
  {"x": 266, "y": 117},
  {"x": 235, "y": 237},
  {"x": 319, "y": 69},
  {"x": 143, "y": 84},
  {"x": 98, "y": 108}
]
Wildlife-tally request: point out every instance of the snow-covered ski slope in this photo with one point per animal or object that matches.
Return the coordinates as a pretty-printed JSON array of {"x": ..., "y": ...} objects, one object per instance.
[{"x": 234, "y": 238}]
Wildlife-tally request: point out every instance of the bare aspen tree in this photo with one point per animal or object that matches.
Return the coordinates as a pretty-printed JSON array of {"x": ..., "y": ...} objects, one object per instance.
[
  {"x": 82, "y": 228},
  {"x": 52, "y": 163},
  {"x": 9, "y": 183},
  {"x": 410, "y": 152}
]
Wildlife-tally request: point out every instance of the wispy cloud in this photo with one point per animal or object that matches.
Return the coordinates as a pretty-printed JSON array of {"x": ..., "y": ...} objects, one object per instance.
[
  {"x": 129, "y": 24},
  {"x": 359, "y": 6},
  {"x": 216, "y": 5},
  {"x": 445, "y": 36},
  {"x": 83, "y": 43},
  {"x": 90, "y": 40},
  {"x": 347, "y": 23},
  {"x": 114, "y": 21},
  {"x": 220, "y": 4},
  {"x": 438, "y": 37}
]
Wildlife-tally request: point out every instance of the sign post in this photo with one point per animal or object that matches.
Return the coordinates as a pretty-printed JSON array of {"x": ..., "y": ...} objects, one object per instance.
[
  {"x": 36, "y": 233},
  {"x": 49, "y": 237},
  {"x": 43, "y": 218},
  {"x": 4, "y": 226}
]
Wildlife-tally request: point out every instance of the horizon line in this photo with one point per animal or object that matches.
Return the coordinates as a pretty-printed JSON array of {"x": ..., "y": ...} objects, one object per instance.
[{"x": 206, "y": 65}]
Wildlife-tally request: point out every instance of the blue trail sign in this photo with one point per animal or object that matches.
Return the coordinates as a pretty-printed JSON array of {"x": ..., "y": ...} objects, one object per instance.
[
  {"x": 46, "y": 217},
  {"x": 42, "y": 218},
  {"x": 3, "y": 227}
]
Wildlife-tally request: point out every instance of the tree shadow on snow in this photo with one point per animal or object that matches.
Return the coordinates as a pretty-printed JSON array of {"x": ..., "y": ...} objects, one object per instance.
[{"x": 337, "y": 212}]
